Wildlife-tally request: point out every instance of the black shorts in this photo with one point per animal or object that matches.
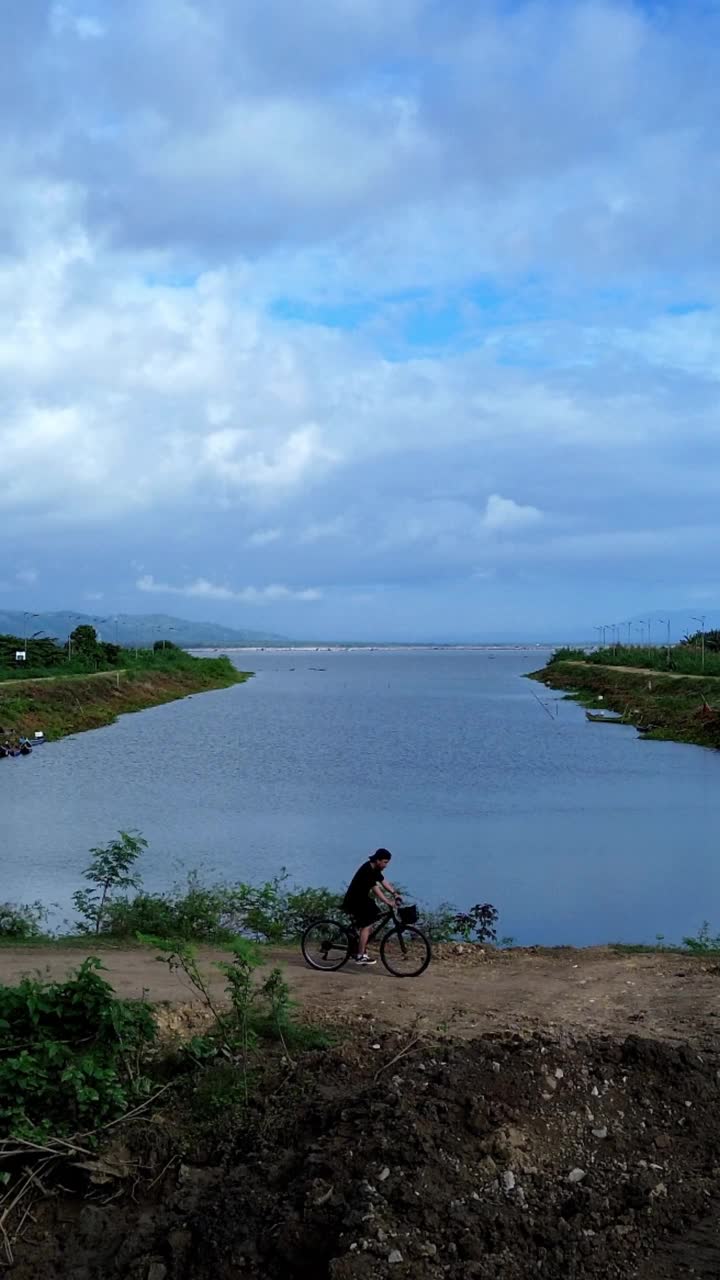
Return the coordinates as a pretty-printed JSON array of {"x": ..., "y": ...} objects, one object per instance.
[{"x": 363, "y": 913}]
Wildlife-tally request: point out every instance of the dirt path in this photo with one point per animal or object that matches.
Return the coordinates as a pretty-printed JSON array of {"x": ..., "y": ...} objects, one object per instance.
[
  {"x": 638, "y": 671},
  {"x": 671, "y": 997},
  {"x": 88, "y": 675}
]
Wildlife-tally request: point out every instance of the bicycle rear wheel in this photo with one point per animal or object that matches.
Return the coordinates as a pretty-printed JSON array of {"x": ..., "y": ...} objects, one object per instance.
[
  {"x": 326, "y": 944},
  {"x": 405, "y": 952}
]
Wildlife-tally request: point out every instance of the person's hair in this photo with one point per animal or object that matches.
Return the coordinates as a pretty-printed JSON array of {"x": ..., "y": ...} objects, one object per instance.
[{"x": 379, "y": 854}]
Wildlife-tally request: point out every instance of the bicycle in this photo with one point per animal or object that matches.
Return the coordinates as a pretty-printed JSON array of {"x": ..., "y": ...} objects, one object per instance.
[{"x": 404, "y": 949}]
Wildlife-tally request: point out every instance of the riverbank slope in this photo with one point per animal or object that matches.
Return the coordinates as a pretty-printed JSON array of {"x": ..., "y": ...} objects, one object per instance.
[
  {"x": 61, "y": 705},
  {"x": 662, "y": 705}
]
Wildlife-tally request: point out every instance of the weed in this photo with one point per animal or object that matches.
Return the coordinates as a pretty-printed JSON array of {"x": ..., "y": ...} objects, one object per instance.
[
  {"x": 71, "y": 1053},
  {"x": 22, "y": 922},
  {"x": 703, "y": 942}
]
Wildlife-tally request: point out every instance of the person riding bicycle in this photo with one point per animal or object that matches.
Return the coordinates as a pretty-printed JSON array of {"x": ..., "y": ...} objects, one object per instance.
[{"x": 367, "y": 884}]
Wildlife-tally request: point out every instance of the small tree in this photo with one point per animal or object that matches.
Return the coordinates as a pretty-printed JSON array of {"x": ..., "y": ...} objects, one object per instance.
[
  {"x": 479, "y": 921},
  {"x": 109, "y": 869},
  {"x": 84, "y": 641}
]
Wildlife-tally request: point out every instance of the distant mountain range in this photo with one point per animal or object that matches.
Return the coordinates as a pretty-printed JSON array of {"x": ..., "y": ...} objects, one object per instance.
[{"x": 141, "y": 629}]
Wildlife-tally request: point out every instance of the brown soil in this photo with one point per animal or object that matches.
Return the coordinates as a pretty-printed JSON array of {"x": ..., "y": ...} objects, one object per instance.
[
  {"x": 573, "y": 1140},
  {"x": 511, "y": 1157}
]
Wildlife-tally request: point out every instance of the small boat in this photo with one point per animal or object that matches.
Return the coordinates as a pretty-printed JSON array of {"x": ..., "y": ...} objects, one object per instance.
[
  {"x": 11, "y": 750},
  {"x": 599, "y": 717}
]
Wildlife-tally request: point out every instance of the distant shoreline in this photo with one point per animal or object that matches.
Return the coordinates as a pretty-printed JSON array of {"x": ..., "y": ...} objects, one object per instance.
[{"x": 372, "y": 648}]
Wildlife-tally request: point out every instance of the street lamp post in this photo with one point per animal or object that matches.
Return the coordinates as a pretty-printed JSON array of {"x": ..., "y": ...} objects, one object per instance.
[
  {"x": 72, "y": 617},
  {"x": 25, "y": 637},
  {"x": 702, "y": 639},
  {"x": 666, "y": 621}
]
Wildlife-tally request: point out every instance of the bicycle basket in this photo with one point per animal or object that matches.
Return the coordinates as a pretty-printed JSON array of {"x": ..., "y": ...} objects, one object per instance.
[{"x": 407, "y": 915}]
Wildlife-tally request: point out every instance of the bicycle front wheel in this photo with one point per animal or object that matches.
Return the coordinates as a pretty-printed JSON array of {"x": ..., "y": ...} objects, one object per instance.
[
  {"x": 326, "y": 944},
  {"x": 405, "y": 953}
]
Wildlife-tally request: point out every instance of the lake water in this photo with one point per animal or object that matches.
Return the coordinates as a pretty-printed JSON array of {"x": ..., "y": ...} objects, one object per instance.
[{"x": 578, "y": 832}]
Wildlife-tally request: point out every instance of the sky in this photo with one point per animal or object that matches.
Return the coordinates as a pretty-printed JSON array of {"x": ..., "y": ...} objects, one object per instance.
[{"x": 356, "y": 319}]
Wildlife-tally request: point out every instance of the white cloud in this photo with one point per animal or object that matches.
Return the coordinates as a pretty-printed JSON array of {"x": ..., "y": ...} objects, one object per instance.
[
  {"x": 94, "y": 595},
  {"x": 318, "y": 530},
  {"x": 505, "y": 515},
  {"x": 85, "y": 27},
  {"x": 403, "y": 320},
  {"x": 263, "y": 537},
  {"x": 202, "y": 589}
]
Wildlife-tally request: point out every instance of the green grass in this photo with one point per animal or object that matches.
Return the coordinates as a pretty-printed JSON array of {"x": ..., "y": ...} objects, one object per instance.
[
  {"x": 684, "y": 659},
  {"x": 676, "y": 709},
  {"x": 60, "y": 706}
]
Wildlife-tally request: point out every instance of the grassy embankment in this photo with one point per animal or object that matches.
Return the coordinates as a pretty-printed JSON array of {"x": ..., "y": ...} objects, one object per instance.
[
  {"x": 675, "y": 701},
  {"x": 60, "y": 703}
]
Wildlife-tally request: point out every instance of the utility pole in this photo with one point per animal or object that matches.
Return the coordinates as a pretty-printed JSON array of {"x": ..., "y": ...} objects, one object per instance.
[
  {"x": 667, "y": 624},
  {"x": 25, "y": 639},
  {"x": 702, "y": 639}
]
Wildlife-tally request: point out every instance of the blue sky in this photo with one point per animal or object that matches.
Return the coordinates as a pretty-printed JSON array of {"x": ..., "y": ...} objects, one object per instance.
[{"x": 361, "y": 320}]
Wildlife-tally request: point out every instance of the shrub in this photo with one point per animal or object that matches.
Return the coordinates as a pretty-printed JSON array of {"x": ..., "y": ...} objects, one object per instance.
[
  {"x": 304, "y": 905},
  {"x": 439, "y": 922},
  {"x": 569, "y": 655},
  {"x": 206, "y": 913},
  {"x": 21, "y": 922},
  {"x": 477, "y": 924},
  {"x": 703, "y": 942},
  {"x": 257, "y": 1010},
  {"x": 70, "y": 1053},
  {"x": 218, "y": 913}
]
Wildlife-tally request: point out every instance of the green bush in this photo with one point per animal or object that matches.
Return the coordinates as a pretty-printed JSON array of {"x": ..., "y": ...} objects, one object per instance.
[
  {"x": 71, "y": 1054},
  {"x": 218, "y": 913},
  {"x": 439, "y": 922},
  {"x": 22, "y": 922},
  {"x": 703, "y": 942},
  {"x": 205, "y": 913},
  {"x": 569, "y": 655}
]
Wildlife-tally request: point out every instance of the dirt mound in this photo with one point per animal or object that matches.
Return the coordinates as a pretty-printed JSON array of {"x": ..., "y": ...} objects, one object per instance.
[{"x": 506, "y": 1157}]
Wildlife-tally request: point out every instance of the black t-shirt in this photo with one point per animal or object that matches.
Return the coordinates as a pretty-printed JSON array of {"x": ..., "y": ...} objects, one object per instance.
[{"x": 361, "y": 886}]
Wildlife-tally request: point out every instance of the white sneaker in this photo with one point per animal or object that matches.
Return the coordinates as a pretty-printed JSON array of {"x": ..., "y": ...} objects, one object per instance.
[{"x": 368, "y": 959}]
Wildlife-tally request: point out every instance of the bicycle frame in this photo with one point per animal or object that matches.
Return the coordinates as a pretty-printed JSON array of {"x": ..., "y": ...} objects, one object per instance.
[{"x": 379, "y": 925}]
